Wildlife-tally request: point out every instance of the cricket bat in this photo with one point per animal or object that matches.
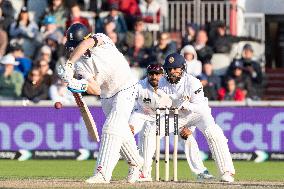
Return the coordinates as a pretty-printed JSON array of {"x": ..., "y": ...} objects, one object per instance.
[{"x": 87, "y": 117}]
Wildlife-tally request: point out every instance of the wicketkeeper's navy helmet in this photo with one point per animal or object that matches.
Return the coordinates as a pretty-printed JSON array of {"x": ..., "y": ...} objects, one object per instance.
[
  {"x": 75, "y": 34},
  {"x": 174, "y": 60}
]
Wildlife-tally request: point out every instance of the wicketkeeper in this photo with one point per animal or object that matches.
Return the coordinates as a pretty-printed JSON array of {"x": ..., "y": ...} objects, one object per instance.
[{"x": 187, "y": 94}]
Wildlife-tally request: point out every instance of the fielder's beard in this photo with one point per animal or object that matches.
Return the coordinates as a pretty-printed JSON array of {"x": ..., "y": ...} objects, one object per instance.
[
  {"x": 173, "y": 79},
  {"x": 154, "y": 83}
]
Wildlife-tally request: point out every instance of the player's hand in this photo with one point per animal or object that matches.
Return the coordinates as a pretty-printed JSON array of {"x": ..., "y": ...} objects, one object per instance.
[
  {"x": 77, "y": 86},
  {"x": 185, "y": 133},
  {"x": 66, "y": 71},
  {"x": 132, "y": 129}
]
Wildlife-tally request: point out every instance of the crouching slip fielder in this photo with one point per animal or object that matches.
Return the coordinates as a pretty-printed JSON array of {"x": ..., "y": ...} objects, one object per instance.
[
  {"x": 186, "y": 93},
  {"x": 105, "y": 71},
  {"x": 148, "y": 99}
]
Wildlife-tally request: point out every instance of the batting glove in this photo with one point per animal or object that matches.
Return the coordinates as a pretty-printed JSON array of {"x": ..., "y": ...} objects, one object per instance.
[
  {"x": 77, "y": 86},
  {"x": 66, "y": 71}
]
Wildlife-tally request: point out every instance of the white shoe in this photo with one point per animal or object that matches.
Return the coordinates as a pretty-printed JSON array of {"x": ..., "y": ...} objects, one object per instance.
[
  {"x": 143, "y": 178},
  {"x": 133, "y": 174},
  {"x": 227, "y": 177},
  {"x": 204, "y": 176},
  {"x": 97, "y": 179}
]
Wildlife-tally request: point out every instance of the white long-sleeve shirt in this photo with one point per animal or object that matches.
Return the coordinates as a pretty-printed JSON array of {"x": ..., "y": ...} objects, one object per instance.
[
  {"x": 188, "y": 92},
  {"x": 107, "y": 66},
  {"x": 148, "y": 99}
]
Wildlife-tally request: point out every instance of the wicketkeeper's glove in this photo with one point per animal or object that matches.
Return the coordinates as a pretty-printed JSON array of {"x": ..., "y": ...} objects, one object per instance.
[{"x": 185, "y": 133}]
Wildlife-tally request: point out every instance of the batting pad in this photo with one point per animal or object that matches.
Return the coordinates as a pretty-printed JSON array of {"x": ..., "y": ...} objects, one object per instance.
[
  {"x": 219, "y": 148},
  {"x": 108, "y": 155},
  {"x": 130, "y": 152}
]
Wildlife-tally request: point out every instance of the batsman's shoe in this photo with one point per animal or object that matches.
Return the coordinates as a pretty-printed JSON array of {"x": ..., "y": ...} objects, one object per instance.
[
  {"x": 97, "y": 179},
  {"x": 143, "y": 178},
  {"x": 133, "y": 174},
  {"x": 227, "y": 177},
  {"x": 204, "y": 176}
]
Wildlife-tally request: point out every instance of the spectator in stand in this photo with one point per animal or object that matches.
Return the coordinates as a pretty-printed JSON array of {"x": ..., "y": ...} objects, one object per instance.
[
  {"x": 46, "y": 72},
  {"x": 115, "y": 16},
  {"x": 58, "y": 92},
  {"x": 3, "y": 38},
  {"x": 139, "y": 27},
  {"x": 193, "y": 66},
  {"x": 75, "y": 17},
  {"x": 7, "y": 13},
  {"x": 211, "y": 83},
  {"x": 119, "y": 45},
  {"x": 243, "y": 81},
  {"x": 151, "y": 14},
  {"x": 138, "y": 56},
  {"x": 230, "y": 92},
  {"x": 253, "y": 69},
  {"x": 189, "y": 36},
  {"x": 34, "y": 88},
  {"x": 164, "y": 47},
  {"x": 220, "y": 41},
  {"x": 204, "y": 52},
  {"x": 25, "y": 64},
  {"x": 24, "y": 30},
  {"x": 57, "y": 9},
  {"x": 57, "y": 49},
  {"x": 11, "y": 81},
  {"x": 130, "y": 9},
  {"x": 50, "y": 28}
]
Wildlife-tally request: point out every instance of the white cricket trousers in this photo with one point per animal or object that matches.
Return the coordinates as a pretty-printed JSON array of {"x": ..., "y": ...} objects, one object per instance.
[{"x": 116, "y": 134}]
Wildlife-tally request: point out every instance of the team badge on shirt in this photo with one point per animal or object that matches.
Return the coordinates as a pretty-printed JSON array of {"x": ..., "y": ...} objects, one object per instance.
[{"x": 147, "y": 100}]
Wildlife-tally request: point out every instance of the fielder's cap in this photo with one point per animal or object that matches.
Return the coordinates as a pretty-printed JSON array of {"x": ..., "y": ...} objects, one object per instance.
[
  {"x": 9, "y": 59},
  {"x": 49, "y": 19},
  {"x": 238, "y": 64},
  {"x": 174, "y": 60},
  {"x": 247, "y": 47},
  {"x": 155, "y": 68}
]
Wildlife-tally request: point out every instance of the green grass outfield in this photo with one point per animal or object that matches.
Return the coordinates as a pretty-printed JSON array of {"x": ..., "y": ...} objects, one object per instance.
[{"x": 80, "y": 170}]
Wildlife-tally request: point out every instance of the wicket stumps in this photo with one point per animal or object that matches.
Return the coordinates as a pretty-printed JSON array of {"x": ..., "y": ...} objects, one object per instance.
[{"x": 167, "y": 142}]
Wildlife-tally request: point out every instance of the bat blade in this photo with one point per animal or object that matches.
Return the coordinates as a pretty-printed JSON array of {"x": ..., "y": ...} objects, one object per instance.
[{"x": 87, "y": 117}]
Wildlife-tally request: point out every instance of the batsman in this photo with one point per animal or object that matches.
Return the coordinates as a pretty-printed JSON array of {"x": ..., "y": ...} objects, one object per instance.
[{"x": 104, "y": 71}]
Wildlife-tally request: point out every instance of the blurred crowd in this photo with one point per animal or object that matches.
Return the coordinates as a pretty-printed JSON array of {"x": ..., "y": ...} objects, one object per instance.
[{"x": 32, "y": 44}]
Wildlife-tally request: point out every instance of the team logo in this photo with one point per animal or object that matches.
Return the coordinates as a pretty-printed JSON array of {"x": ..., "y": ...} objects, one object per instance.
[
  {"x": 147, "y": 100},
  {"x": 198, "y": 90},
  {"x": 71, "y": 37},
  {"x": 171, "y": 59}
]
